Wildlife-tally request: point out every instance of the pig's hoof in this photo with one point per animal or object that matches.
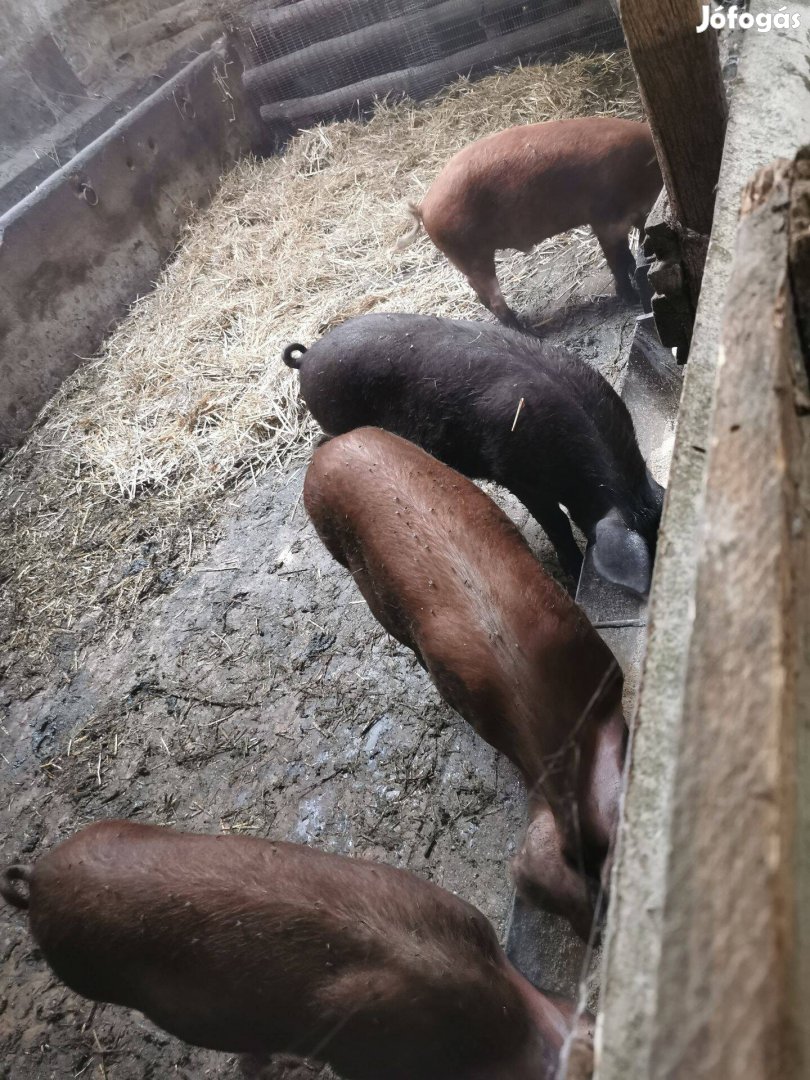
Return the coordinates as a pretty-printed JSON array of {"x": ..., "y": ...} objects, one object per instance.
[
  {"x": 510, "y": 319},
  {"x": 628, "y": 295}
]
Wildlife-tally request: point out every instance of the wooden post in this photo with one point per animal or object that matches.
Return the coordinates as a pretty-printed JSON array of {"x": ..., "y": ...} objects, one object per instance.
[
  {"x": 799, "y": 229},
  {"x": 681, "y": 84},
  {"x": 733, "y": 954}
]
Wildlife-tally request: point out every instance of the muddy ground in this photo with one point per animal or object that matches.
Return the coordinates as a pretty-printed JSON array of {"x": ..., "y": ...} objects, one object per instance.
[{"x": 255, "y": 694}]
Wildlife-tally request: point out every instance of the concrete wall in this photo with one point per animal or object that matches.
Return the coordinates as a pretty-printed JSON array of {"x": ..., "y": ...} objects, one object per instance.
[
  {"x": 82, "y": 30},
  {"x": 91, "y": 238},
  {"x": 62, "y": 58}
]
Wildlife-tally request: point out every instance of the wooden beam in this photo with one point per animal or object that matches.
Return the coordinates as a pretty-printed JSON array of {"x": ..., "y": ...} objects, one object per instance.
[
  {"x": 681, "y": 84},
  {"x": 732, "y": 952},
  {"x": 800, "y": 243}
]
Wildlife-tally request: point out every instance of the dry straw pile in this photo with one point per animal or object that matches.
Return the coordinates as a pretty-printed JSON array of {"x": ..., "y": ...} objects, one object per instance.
[{"x": 189, "y": 399}]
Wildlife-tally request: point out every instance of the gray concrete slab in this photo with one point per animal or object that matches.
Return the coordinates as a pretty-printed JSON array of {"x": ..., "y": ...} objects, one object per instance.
[
  {"x": 93, "y": 237},
  {"x": 42, "y": 150}
]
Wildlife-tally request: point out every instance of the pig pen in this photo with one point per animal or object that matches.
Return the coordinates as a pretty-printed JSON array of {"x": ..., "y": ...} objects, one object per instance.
[{"x": 178, "y": 646}]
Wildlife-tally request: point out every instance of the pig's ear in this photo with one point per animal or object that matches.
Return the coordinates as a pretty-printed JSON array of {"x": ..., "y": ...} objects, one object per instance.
[{"x": 621, "y": 555}]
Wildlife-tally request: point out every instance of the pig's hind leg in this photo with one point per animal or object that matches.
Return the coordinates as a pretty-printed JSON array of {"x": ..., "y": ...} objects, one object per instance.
[
  {"x": 613, "y": 239},
  {"x": 385, "y": 610},
  {"x": 480, "y": 272},
  {"x": 555, "y": 524},
  {"x": 546, "y": 878}
]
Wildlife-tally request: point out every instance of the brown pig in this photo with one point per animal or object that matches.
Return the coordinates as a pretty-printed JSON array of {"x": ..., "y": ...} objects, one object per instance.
[
  {"x": 257, "y": 947},
  {"x": 518, "y": 187},
  {"x": 447, "y": 574}
]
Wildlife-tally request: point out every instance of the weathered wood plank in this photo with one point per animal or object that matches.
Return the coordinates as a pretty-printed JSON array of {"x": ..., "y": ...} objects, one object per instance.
[
  {"x": 800, "y": 244},
  {"x": 682, "y": 89},
  {"x": 770, "y": 116},
  {"x": 729, "y": 947}
]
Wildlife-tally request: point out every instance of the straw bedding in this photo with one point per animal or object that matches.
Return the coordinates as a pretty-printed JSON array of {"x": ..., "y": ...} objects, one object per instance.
[{"x": 131, "y": 467}]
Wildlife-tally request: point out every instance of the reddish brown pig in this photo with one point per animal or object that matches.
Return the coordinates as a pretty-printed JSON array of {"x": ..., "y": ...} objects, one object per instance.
[
  {"x": 520, "y": 186},
  {"x": 447, "y": 573},
  {"x": 255, "y": 947}
]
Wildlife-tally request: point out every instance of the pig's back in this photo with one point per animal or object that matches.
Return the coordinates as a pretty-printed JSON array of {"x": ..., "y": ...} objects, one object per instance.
[
  {"x": 454, "y": 387},
  {"x": 425, "y": 527},
  {"x": 454, "y": 576},
  {"x": 581, "y": 141},
  {"x": 111, "y": 873},
  {"x": 537, "y": 180},
  {"x": 247, "y": 924}
]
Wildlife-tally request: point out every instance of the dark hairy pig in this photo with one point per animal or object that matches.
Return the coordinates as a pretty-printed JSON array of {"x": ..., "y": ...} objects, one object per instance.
[
  {"x": 449, "y": 575},
  {"x": 257, "y": 947},
  {"x": 498, "y": 405},
  {"x": 518, "y": 187}
]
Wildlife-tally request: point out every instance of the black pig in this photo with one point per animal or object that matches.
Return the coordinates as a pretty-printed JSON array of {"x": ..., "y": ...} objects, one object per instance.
[{"x": 498, "y": 405}]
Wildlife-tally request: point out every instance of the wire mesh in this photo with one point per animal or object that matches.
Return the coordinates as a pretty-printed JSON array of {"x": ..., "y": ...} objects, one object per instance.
[{"x": 312, "y": 60}]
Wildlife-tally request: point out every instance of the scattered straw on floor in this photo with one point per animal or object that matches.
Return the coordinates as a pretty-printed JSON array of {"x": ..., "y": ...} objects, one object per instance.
[{"x": 123, "y": 478}]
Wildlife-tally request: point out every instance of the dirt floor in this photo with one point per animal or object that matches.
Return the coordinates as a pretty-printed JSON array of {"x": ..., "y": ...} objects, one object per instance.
[
  {"x": 258, "y": 695},
  {"x": 248, "y": 689}
]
